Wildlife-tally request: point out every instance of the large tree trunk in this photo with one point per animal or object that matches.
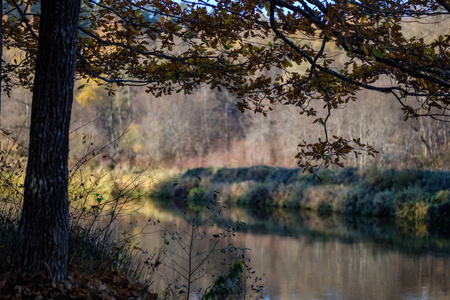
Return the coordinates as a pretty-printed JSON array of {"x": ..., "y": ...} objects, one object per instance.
[
  {"x": 44, "y": 222},
  {"x": 1, "y": 63}
]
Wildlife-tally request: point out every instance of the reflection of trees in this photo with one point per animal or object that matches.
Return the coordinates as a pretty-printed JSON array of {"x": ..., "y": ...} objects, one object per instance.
[
  {"x": 345, "y": 229},
  {"x": 305, "y": 256},
  {"x": 315, "y": 228}
]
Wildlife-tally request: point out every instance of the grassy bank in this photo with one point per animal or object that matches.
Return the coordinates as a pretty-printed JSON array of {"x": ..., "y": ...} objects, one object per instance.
[
  {"x": 408, "y": 195},
  {"x": 102, "y": 264},
  {"x": 98, "y": 268}
]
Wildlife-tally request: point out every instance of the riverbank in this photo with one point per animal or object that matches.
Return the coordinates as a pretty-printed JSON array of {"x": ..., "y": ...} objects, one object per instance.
[
  {"x": 410, "y": 196},
  {"x": 102, "y": 263},
  {"x": 98, "y": 268}
]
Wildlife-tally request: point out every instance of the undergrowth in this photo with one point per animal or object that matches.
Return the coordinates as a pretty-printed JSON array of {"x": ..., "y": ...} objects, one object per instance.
[{"x": 101, "y": 262}]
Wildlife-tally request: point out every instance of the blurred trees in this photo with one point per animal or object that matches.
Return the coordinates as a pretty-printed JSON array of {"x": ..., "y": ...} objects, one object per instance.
[
  {"x": 314, "y": 56},
  {"x": 113, "y": 109},
  {"x": 206, "y": 129}
]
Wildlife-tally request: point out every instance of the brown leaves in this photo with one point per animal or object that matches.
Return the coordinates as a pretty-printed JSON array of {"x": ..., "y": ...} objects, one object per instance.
[
  {"x": 313, "y": 155},
  {"x": 111, "y": 284}
]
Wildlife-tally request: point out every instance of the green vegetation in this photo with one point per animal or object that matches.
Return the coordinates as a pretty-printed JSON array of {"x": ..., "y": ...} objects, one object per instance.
[{"x": 408, "y": 195}]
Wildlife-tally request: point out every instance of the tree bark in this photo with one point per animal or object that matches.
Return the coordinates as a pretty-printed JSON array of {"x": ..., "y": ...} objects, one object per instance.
[
  {"x": 1, "y": 63},
  {"x": 44, "y": 224}
]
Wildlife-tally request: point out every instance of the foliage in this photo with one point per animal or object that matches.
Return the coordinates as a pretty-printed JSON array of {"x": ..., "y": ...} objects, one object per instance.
[
  {"x": 265, "y": 52},
  {"x": 12, "y": 170},
  {"x": 98, "y": 198},
  {"x": 100, "y": 265}
]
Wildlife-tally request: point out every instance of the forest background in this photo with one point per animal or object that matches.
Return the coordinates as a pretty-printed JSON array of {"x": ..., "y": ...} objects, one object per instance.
[{"x": 206, "y": 128}]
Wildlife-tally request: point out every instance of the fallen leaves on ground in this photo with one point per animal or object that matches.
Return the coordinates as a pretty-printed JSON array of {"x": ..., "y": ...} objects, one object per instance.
[{"x": 107, "y": 285}]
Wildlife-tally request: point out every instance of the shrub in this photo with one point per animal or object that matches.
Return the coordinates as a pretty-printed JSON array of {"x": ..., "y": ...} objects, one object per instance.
[
  {"x": 347, "y": 176},
  {"x": 412, "y": 213},
  {"x": 434, "y": 181},
  {"x": 358, "y": 201},
  {"x": 198, "y": 193},
  {"x": 442, "y": 196},
  {"x": 439, "y": 213},
  {"x": 315, "y": 196},
  {"x": 283, "y": 175},
  {"x": 198, "y": 172},
  {"x": 383, "y": 203},
  {"x": 258, "y": 195},
  {"x": 239, "y": 189},
  {"x": 324, "y": 209},
  {"x": 281, "y": 195},
  {"x": 413, "y": 194},
  {"x": 258, "y": 173},
  {"x": 296, "y": 193}
]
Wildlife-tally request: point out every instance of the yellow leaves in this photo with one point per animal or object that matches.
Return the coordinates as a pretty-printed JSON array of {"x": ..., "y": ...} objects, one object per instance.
[
  {"x": 338, "y": 97},
  {"x": 137, "y": 148},
  {"x": 88, "y": 93},
  {"x": 364, "y": 20},
  {"x": 366, "y": 51}
]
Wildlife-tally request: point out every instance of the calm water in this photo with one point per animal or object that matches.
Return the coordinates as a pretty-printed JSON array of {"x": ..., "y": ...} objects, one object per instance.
[{"x": 304, "y": 256}]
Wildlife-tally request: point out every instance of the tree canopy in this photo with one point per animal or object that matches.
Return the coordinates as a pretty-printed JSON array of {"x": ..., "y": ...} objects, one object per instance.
[{"x": 265, "y": 52}]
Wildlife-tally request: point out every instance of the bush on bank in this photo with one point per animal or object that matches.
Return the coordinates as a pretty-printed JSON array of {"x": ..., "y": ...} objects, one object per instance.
[{"x": 409, "y": 195}]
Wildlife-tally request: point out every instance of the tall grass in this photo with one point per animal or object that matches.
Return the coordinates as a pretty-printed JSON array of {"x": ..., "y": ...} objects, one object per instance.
[{"x": 98, "y": 197}]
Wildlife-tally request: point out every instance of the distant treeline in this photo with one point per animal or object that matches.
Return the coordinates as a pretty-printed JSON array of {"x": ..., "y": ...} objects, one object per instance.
[{"x": 206, "y": 129}]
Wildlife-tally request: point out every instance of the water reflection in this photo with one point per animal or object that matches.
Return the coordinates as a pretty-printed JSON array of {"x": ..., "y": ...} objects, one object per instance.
[{"x": 305, "y": 256}]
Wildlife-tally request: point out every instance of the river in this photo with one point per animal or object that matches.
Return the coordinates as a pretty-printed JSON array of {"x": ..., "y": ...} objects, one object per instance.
[{"x": 307, "y": 256}]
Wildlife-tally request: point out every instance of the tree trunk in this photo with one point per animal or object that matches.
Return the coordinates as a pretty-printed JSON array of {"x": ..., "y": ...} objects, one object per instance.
[
  {"x": 44, "y": 224},
  {"x": 1, "y": 63}
]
